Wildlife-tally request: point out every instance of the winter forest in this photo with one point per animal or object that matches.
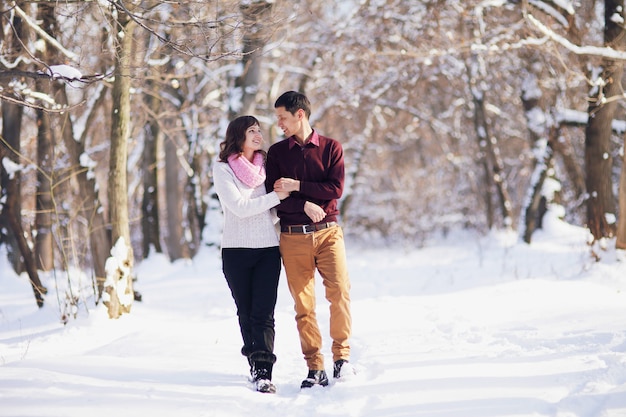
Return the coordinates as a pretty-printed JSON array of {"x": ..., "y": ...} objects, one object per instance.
[{"x": 453, "y": 114}]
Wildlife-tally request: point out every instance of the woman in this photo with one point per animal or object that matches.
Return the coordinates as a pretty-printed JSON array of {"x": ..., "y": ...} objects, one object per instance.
[{"x": 250, "y": 255}]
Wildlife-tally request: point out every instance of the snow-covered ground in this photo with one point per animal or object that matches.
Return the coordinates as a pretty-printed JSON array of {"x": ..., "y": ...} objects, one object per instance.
[{"x": 466, "y": 327}]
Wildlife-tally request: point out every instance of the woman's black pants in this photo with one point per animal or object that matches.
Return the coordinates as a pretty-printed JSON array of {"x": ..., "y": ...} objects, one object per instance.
[{"x": 252, "y": 276}]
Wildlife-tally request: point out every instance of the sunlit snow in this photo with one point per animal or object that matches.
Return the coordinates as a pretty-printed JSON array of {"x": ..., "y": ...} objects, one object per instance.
[{"x": 468, "y": 326}]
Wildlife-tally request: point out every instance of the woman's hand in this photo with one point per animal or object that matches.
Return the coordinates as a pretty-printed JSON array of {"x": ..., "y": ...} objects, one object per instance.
[
  {"x": 282, "y": 194},
  {"x": 286, "y": 184}
]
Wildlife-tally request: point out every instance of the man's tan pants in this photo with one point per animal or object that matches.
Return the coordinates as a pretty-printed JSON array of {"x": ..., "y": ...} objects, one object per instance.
[{"x": 302, "y": 254}]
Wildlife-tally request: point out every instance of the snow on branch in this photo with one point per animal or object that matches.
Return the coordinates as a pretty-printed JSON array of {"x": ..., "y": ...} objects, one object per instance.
[
  {"x": 566, "y": 5},
  {"x": 43, "y": 34},
  {"x": 549, "y": 10},
  {"x": 65, "y": 72},
  {"x": 603, "y": 52},
  {"x": 580, "y": 118}
]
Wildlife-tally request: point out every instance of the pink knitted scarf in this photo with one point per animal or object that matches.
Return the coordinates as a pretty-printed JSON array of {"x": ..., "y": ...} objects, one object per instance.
[{"x": 250, "y": 173}]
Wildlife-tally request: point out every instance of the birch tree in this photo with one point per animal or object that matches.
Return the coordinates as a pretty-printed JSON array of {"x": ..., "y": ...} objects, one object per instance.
[{"x": 119, "y": 267}]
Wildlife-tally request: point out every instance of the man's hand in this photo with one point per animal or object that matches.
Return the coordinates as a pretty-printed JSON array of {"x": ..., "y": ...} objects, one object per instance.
[
  {"x": 315, "y": 212},
  {"x": 286, "y": 184}
]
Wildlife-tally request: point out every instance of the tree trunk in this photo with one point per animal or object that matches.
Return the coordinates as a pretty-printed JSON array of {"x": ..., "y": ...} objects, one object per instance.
[
  {"x": 542, "y": 139},
  {"x": 11, "y": 219},
  {"x": 255, "y": 15},
  {"x": 44, "y": 249},
  {"x": 150, "y": 201},
  {"x": 89, "y": 207},
  {"x": 620, "y": 241},
  {"x": 201, "y": 164},
  {"x": 489, "y": 156},
  {"x": 598, "y": 160},
  {"x": 192, "y": 222},
  {"x": 537, "y": 201},
  {"x": 176, "y": 247},
  {"x": 119, "y": 283},
  {"x": 575, "y": 172},
  {"x": 10, "y": 187},
  {"x": 18, "y": 248},
  {"x": 44, "y": 244}
]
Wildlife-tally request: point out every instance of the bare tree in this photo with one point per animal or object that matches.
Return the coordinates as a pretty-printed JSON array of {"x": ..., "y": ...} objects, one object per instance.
[{"x": 411, "y": 159}]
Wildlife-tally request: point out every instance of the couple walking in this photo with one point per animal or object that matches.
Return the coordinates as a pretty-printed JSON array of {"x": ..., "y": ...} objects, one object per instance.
[{"x": 301, "y": 177}]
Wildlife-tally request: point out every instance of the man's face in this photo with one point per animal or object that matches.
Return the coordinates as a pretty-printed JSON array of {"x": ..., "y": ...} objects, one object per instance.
[{"x": 289, "y": 123}]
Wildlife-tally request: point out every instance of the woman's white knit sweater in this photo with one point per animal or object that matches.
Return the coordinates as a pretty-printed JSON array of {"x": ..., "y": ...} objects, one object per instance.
[{"x": 248, "y": 222}]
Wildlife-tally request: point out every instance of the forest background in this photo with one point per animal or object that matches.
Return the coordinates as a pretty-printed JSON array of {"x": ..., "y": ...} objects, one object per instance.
[{"x": 453, "y": 114}]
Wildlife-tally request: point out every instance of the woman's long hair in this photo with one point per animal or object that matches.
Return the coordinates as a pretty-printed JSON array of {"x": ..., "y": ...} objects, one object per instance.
[{"x": 236, "y": 136}]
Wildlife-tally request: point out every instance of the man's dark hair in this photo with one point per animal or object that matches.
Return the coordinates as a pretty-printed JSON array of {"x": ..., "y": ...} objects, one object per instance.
[{"x": 293, "y": 101}]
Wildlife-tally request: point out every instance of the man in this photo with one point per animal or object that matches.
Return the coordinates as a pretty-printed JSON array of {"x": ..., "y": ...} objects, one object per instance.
[{"x": 310, "y": 166}]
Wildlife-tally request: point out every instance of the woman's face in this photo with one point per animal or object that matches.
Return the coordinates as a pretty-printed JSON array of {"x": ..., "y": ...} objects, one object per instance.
[{"x": 254, "y": 139}]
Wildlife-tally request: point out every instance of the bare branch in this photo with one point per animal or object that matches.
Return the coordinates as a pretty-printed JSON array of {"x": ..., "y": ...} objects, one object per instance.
[
  {"x": 178, "y": 47},
  {"x": 25, "y": 103},
  {"x": 85, "y": 79}
]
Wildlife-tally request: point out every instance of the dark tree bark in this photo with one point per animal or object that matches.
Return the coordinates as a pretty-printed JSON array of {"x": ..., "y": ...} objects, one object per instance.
[
  {"x": 176, "y": 247},
  {"x": 150, "y": 201},
  {"x": 598, "y": 160},
  {"x": 18, "y": 249}
]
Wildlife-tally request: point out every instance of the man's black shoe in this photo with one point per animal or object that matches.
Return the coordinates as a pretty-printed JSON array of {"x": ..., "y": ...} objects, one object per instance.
[
  {"x": 315, "y": 378},
  {"x": 342, "y": 368}
]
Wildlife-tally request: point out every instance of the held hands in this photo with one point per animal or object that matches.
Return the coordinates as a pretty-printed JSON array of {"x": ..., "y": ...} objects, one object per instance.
[{"x": 286, "y": 184}]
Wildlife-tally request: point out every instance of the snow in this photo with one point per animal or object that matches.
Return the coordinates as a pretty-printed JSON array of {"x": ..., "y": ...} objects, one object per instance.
[
  {"x": 11, "y": 167},
  {"x": 117, "y": 267},
  {"x": 69, "y": 74},
  {"x": 466, "y": 326},
  {"x": 64, "y": 71}
]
